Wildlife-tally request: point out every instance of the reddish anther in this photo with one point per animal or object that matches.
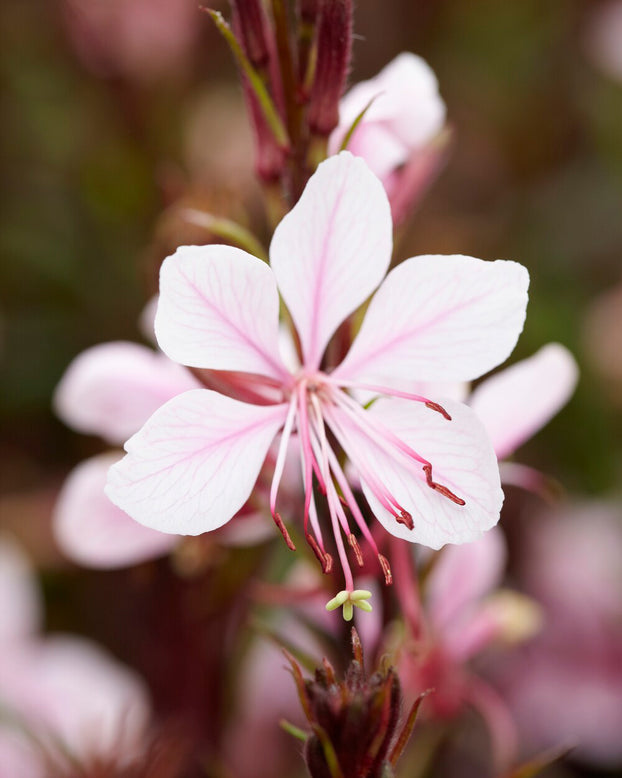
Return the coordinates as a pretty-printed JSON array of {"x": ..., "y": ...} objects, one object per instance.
[
  {"x": 324, "y": 558},
  {"x": 403, "y": 517},
  {"x": 283, "y": 529},
  {"x": 356, "y": 548},
  {"x": 427, "y": 469},
  {"x": 438, "y": 408},
  {"x": 384, "y": 564}
]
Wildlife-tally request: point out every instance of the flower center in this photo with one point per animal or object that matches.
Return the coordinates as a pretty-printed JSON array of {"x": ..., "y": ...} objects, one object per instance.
[{"x": 318, "y": 404}]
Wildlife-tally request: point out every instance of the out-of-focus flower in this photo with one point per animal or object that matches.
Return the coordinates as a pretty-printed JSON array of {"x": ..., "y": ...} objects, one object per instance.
[
  {"x": 427, "y": 471},
  {"x": 400, "y": 134},
  {"x": 61, "y": 698},
  {"x": 110, "y": 390},
  {"x": 565, "y": 687},
  {"x": 518, "y": 401},
  {"x": 464, "y": 613},
  {"x": 603, "y": 339},
  {"x": 138, "y": 39},
  {"x": 603, "y": 40}
]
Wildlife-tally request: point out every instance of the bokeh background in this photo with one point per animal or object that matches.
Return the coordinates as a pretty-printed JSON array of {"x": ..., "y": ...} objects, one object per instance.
[{"x": 105, "y": 125}]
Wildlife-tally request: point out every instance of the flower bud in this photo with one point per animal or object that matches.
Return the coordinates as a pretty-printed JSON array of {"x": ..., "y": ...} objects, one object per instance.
[
  {"x": 334, "y": 43},
  {"x": 354, "y": 721},
  {"x": 251, "y": 23}
]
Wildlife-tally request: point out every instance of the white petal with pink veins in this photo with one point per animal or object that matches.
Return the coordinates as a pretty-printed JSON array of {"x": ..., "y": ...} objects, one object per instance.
[
  {"x": 463, "y": 575},
  {"x": 195, "y": 462},
  {"x": 92, "y": 531},
  {"x": 462, "y": 460},
  {"x": 20, "y": 600},
  {"x": 406, "y": 103},
  {"x": 332, "y": 249},
  {"x": 517, "y": 402},
  {"x": 440, "y": 318},
  {"x": 112, "y": 389},
  {"x": 219, "y": 309}
]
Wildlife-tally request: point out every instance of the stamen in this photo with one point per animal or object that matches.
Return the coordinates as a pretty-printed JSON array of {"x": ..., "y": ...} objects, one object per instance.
[
  {"x": 438, "y": 408},
  {"x": 281, "y": 455},
  {"x": 406, "y": 519},
  {"x": 427, "y": 469},
  {"x": 323, "y": 557},
  {"x": 356, "y": 548},
  {"x": 384, "y": 564},
  {"x": 388, "y": 391},
  {"x": 279, "y": 523},
  {"x": 380, "y": 434}
]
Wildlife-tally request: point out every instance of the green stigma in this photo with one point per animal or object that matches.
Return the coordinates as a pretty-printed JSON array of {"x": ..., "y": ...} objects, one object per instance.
[{"x": 348, "y": 600}]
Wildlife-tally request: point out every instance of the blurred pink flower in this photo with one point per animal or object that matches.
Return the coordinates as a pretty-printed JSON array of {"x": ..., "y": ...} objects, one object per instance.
[
  {"x": 138, "y": 39},
  {"x": 603, "y": 39},
  {"x": 565, "y": 687},
  {"x": 399, "y": 135},
  {"x": 602, "y": 338},
  {"x": 61, "y": 697},
  {"x": 195, "y": 461},
  {"x": 464, "y": 613},
  {"x": 110, "y": 390}
]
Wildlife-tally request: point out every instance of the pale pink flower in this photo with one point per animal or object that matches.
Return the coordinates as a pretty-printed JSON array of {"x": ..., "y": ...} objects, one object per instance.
[
  {"x": 138, "y": 39},
  {"x": 515, "y": 403},
  {"x": 465, "y": 614},
  {"x": 565, "y": 688},
  {"x": 110, "y": 390},
  {"x": 603, "y": 39},
  {"x": 399, "y": 135},
  {"x": 60, "y": 696},
  {"x": 428, "y": 472}
]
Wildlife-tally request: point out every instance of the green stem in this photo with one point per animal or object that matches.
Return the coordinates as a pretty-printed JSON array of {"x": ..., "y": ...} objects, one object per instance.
[
  {"x": 227, "y": 229},
  {"x": 257, "y": 83}
]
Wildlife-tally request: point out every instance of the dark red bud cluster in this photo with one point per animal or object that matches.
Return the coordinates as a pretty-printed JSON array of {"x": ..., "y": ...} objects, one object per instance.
[
  {"x": 294, "y": 74},
  {"x": 355, "y": 722},
  {"x": 334, "y": 46}
]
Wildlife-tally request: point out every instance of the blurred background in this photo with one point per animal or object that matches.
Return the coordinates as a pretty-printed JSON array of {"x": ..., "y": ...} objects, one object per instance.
[{"x": 109, "y": 118}]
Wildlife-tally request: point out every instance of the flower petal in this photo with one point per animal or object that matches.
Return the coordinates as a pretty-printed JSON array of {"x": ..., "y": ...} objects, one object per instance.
[
  {"x": 406, "y": 105},
  {"x": 112, "y": 389},
  {"x": 194, "y": 463},
  {"x": 440, "y": 318},
  {"x": 72, "y": 692},
  {"x": 515, "y": 403},
  {"x": 463, "y": 575},
  {"x": 219, "y": 309},
  {"x": 462, "y": 460},
  {"x": 20, "y": 600},
  {"x": 332, "y": 249},
  {"x": 92, "y": 531}
]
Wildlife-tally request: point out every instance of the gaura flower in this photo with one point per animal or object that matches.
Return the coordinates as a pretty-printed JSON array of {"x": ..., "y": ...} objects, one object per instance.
[
  {"x": 400, "y": 134},
  {"x": 464, "y": 614},
  {"x": 110, "y": 390},
  {"x": 427, "y": 470},
  {"x": 63, "y": 699}
]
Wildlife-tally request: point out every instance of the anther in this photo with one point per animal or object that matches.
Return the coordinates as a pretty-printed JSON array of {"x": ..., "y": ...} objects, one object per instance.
[
  {"x": 322, "y": 557},
  {"x": 283, "y": 529},
  {"x": 438, "y": 408},
  {"x": 356, "y": 548},
  {"x": 427, "y": 469},
  {"x": 384, "y": 564},
  {"x": 405, "y": 518}
]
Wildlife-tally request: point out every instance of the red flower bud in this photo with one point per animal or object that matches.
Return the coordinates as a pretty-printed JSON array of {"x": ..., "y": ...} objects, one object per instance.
[{"x": 334, "y": 44}]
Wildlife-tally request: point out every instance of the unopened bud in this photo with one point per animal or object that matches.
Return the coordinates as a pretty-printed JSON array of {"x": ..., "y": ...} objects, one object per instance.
[
  {"x": 354, "y": 721},
  {"x": 334, "y": 44},
  {"x": 251, "y": 25}
]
